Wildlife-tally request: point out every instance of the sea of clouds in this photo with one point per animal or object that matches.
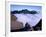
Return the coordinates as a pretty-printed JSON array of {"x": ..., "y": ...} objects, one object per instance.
[{"x": 31, "y": 19}]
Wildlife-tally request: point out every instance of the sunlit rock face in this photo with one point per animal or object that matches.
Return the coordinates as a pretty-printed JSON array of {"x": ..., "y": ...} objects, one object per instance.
[
  {"x": 31, "y": 19},
  {"x": 15, "y": 24}
]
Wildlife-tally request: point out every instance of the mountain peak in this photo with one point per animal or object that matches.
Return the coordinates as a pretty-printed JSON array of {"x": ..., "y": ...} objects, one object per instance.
[{"x": 25, "y": 11}]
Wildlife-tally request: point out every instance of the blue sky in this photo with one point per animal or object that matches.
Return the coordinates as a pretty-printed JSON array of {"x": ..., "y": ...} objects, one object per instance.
[{"x": 29, "y": 7}]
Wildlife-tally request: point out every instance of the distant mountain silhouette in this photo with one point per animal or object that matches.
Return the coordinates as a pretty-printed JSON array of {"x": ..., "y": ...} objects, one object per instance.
[{"x": 25, "y": 11}]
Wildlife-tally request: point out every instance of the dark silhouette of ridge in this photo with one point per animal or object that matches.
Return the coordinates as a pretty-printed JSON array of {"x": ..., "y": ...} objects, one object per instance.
[
  {"x": 38, "y": 26},
  {"x": 25, "y": 11}
]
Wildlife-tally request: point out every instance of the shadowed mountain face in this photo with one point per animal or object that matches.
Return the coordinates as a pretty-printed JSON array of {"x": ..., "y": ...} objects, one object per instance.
[{"x": 25, "y": 11}]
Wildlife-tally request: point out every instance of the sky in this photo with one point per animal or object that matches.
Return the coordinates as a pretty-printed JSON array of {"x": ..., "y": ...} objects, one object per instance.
[{"x": 29, "y": 7}]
